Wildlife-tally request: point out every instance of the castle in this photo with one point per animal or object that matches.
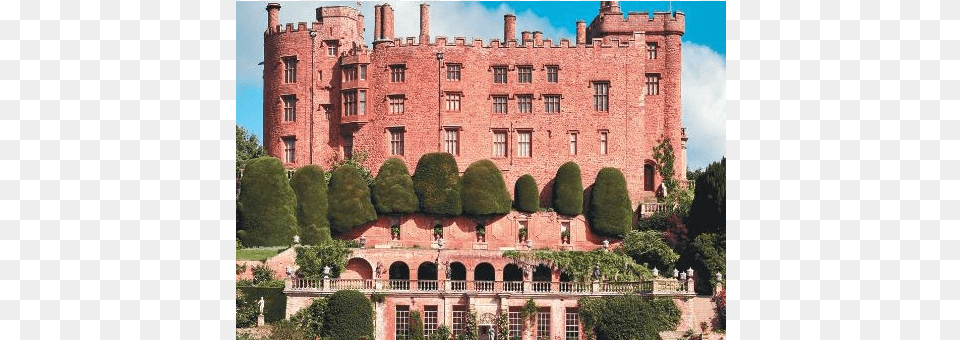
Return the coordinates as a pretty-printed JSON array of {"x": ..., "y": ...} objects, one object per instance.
[{"x": 528, "y": 104}]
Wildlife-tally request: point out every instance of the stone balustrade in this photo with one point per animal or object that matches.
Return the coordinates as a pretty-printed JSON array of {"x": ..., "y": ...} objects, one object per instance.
[{"x": 659, "y": 286}]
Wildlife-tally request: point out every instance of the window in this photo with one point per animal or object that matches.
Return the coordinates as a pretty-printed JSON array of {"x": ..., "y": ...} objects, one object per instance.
[
  {"x": 653, "y": 84},
  {"x": 543, "y": 323},
  {"x": 396, "y": 141},
  {"x": 429, "y": 320},
  {"x": 362, "y": 102},
  {"x": 513, "y": 316},
  {"x": 651, "y": 50},
  {"x": 500, "y": 75},
  {"x": 523, "y": 143},
  {"x": 363, "y": 72},
  {"x": 332, "y": 48},
  {"x": 551, "y": 103},
  {"x": 347, "y": 146},
  {"x": 603, "y": 142},
  {"x": 350, "y": 73},
  {"x": 499, "y": 143},
  {"x": 564, "y": 226},
  {"x": 459, "y": 319},
  {"x": 350, "y": 103},
  {"x": 403, "y": 322},
  {"x": 452, "y": 141},
  {"x": 524, "y": 103},
  {"x": 396, "y": 103},
  {"x": 553, "y": 74},
  {"x": 290, "y": 108},
  {"x": 290, "y": 70},
  {"x": 499, "y": 104},
  {"x": 524, "y": 74},
  {"x": 647, "y": 177},
  {"x": 601, "y": 96},
  {"x": 453, "y": 72},
  {"x": 453, "y": 101},
  {"x": 289, "y": 150},
  {"x": 572, "y": 330},
  {"x": 573, "y": 143},
  {"x": 397, "y": 73}
]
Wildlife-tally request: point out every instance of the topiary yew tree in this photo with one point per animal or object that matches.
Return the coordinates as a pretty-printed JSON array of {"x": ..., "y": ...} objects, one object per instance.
[
  {"x": 350, "y": 204},
  {"x": 309, "y": 185},
  {"x": 568, "y": 190},
  {"x": 437, "y": 184},
  {"x": 266, "y": 205},
  {"x": 525, "y": 195},
  {"x": 708, "y": 212},
  {"x": 609, "y": 212},
  {"x": 483, "y": 191},
  {"x": 348, "y": 316},
  {"x": 392, "y": 190}
]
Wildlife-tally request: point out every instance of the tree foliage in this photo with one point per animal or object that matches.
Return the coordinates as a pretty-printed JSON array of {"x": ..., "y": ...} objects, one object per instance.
[
  {"x": 610, "y": 211},
  {"x": 349, "y": 316},
  {"x": 392, "y": 190},
  {"x": 310, "y": 186},
  {"x": 357, "y": 161},
  {"x": 708, "y": 212},
  {"x": 525, "y": 194},
  {"x": 312, "y": 259},
  {"x": 416, "y": 326},
  {"x": 437, "y": 184},
  {"x": 627, "y": 317},
  {"x": 580, "y": 265},
  {"x": 663, "y": 155},
  {"x": 709, "y": 257},
  {"x": 350, "y": 204},
  {"x": 248, "y": 147},
  {"x": 648, "y": 247},
  {"x": 266, "y": 205},
  {"x": 568, "y": 190},
  {"x": 246, "y": 311},
  {"x": 483, "y": 191},
  {"x": 310, "y": 319}
]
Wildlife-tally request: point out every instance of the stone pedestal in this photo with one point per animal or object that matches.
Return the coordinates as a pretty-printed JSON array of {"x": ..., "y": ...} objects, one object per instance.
[{"x": 260, "y": 320}]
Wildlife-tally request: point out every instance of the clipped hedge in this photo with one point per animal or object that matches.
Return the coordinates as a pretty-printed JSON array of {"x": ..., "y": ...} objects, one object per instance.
[
  {"x": 392, "y": 190},
  {"x": 610, "y": 212},
  {"x": 348, "y": 316},
  {"x": 568, "y": 190},
  {"x": 350, "y": 204},
  {"x": 628, "y": 317},
  {"x": 708, "y": 212},
  {"x": 436, "y": 182},
  {"x": 309, "y": 185},
  {"x": 525, "y": 194},
  {"x": 483, "y": 191},
  {"x": 274, "y": 302},
  {"x": 266, "y": 205}
]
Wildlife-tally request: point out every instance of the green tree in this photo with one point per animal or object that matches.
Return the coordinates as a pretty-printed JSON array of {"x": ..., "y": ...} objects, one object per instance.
[
  {"x": 709, "y": 253},
  {"x": 309, "y": 185},
  {"x": 416, "y": 326},
  {"x": 568, "y": 190},
  {"x": 437, "y": 184},
  {"x": 610, "y": 213},
  {"x": 312, "y": 259},
  {"x": 483, "y": 191},
  {"x": 525, "y": 194},
  {"x": 356, "y": 160},
  {"x": 708, "y": 212},
  {"x": 246, "y": 311},
  {"x": 392, "y": 190},
  {"x": 248, "y": 147},
  {"x": 350, "y": 204},
  {"x": 648, "y": 247},
  {"x": 349, "y": 316},
  {"x": 310, "y": 319},
  {"x": 266, "y": 205}
]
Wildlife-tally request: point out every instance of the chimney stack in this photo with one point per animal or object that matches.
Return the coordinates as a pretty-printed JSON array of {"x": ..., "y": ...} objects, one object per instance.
[
  {"x": 387, "y": 29},
  {"x": 537, "y": 38},
  {"x": 424, "y": 23},
  {"x": 360, "y": 25},
  {"x": 509, "y": 27},
  {"x": 377, "y": 23},
  {"x": 526, "y": 37},
  {"x": 581, "y": 32},
  {"x": 273, "y": 17}
]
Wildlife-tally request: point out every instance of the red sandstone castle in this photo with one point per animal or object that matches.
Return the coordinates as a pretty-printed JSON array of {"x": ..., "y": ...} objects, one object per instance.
[{"x": 528, "y": 104}]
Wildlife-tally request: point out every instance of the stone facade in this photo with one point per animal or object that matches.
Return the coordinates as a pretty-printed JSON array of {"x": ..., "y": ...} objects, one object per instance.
[{"x": 343, "y": 96}]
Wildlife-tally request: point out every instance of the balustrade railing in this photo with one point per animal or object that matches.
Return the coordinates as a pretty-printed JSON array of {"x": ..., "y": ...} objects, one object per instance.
[
  {"x": 513, "y": 286},
  {"x": 574, "y": 287},
  {"x": 399, "y": 285},
  {"x": 458, "y": 286},
  {"x": 483, "y": 286},
  {"x": 659, "y": 285},
  {"x": 427, "y": 285},
  {"x": 541, "y": 286},
  {"x": 647, "y": 209}
]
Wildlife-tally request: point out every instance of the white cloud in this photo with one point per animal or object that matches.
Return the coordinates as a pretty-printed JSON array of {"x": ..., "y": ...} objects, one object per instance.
[{"x": 704, "y": 102}]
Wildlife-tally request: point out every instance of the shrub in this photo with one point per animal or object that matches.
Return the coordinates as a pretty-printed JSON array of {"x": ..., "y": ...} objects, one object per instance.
[
  {"x": 628, "y": 317},
  {"x": 392, "y": 190},
  {"x": 266, "y": 205},
  {"x": 286, "y": 330},
  {"x": 441, "y": 333},
  {"x": 437, "y": 184},
  {"x": 310, "y": 319},
  {"x": 568, "y": 190},
  {"x": 483, "y": 191},
  {"x": 648, "y": 247},
  {"x": 274, "y": 302},
  {"x": 416, "y": 326},
  {"x": 708, "y": 212},
  {"x": 349, "y": 316},
  {"x": 309, "y": 185},
  {"x": 261, "y": 274},
  {"x": 312, "y": 259},
  {"x": 525, "y": 194},
  {"x": 610, "y": 212},
  {"x": 720, "y": 301},
  {"x": 246, "y": 311},
  {"x": 709, "y": 257},
  {"x": 350, "y": 204}
]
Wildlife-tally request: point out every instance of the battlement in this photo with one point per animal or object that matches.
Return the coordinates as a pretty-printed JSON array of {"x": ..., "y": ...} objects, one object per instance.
[
  {"x": 495, "y": 43},
  {"x": 337, "y": 11},
  {"x": 660, "y": 22}
]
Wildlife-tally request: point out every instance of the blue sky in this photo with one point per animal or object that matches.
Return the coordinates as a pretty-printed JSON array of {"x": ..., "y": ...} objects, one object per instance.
[{"x": 704, "y": 49}]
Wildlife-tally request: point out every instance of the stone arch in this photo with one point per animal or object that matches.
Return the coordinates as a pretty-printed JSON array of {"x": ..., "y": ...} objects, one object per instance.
[
  {"x": 357, "y": 268},
  {"x": 399, "y": 271},
  {"x": 484, "y": 272},
  {"x": 458, "y": 272},
  {"x": 648, "y": 176},
  {"x": 427, "y": 271},
  {"x": 542, "y": 274},
  {"x": 512, "y": 272}
]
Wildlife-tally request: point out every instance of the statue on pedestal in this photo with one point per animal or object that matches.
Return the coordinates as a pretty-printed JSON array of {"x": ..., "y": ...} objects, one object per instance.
[{"x": 261, "y": 305}]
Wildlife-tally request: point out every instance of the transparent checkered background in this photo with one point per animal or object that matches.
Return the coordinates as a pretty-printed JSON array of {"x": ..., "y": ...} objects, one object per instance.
[{"x": 117, "y": 148}]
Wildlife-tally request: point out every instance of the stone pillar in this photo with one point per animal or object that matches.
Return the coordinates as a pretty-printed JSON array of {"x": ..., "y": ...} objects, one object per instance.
[
  {"x": 273, "y": 17},
  {"x": 509, "y": 27},
  {"x": 581, "y": 32},
  {"x": 424, "y": 24}
]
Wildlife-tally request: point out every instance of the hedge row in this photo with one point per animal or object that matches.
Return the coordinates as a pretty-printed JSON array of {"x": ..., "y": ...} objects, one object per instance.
[{"x": 274, "y": 302}]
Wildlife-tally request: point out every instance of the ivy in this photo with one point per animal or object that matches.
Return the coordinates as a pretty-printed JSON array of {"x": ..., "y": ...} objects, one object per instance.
[
  {"x": 580, "y": 265},
  {"x": 627, "y": 317},
  {"x": 529, "y": 312},
  {"x": 663, "y": 154}
]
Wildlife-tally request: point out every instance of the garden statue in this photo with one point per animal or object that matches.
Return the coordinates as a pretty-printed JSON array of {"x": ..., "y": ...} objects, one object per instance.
[
  {"x": 290, "y": 272},
  {"x": 261, "y": 305},
  {"x": 326, "y": 271},
  {"x": 675, "y": 272},
  {"x": 596, "y": 271},
  {"x": 296, "y": 239},
  {"x": 719, "y": 277},
  {"x": 656, "y": 272},
  {"x": 690, "y": 272},
  {"x": 606, "y": 245}
]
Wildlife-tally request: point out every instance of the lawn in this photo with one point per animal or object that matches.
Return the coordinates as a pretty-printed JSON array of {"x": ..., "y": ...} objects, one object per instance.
[{"x": 258, "y": 253}]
